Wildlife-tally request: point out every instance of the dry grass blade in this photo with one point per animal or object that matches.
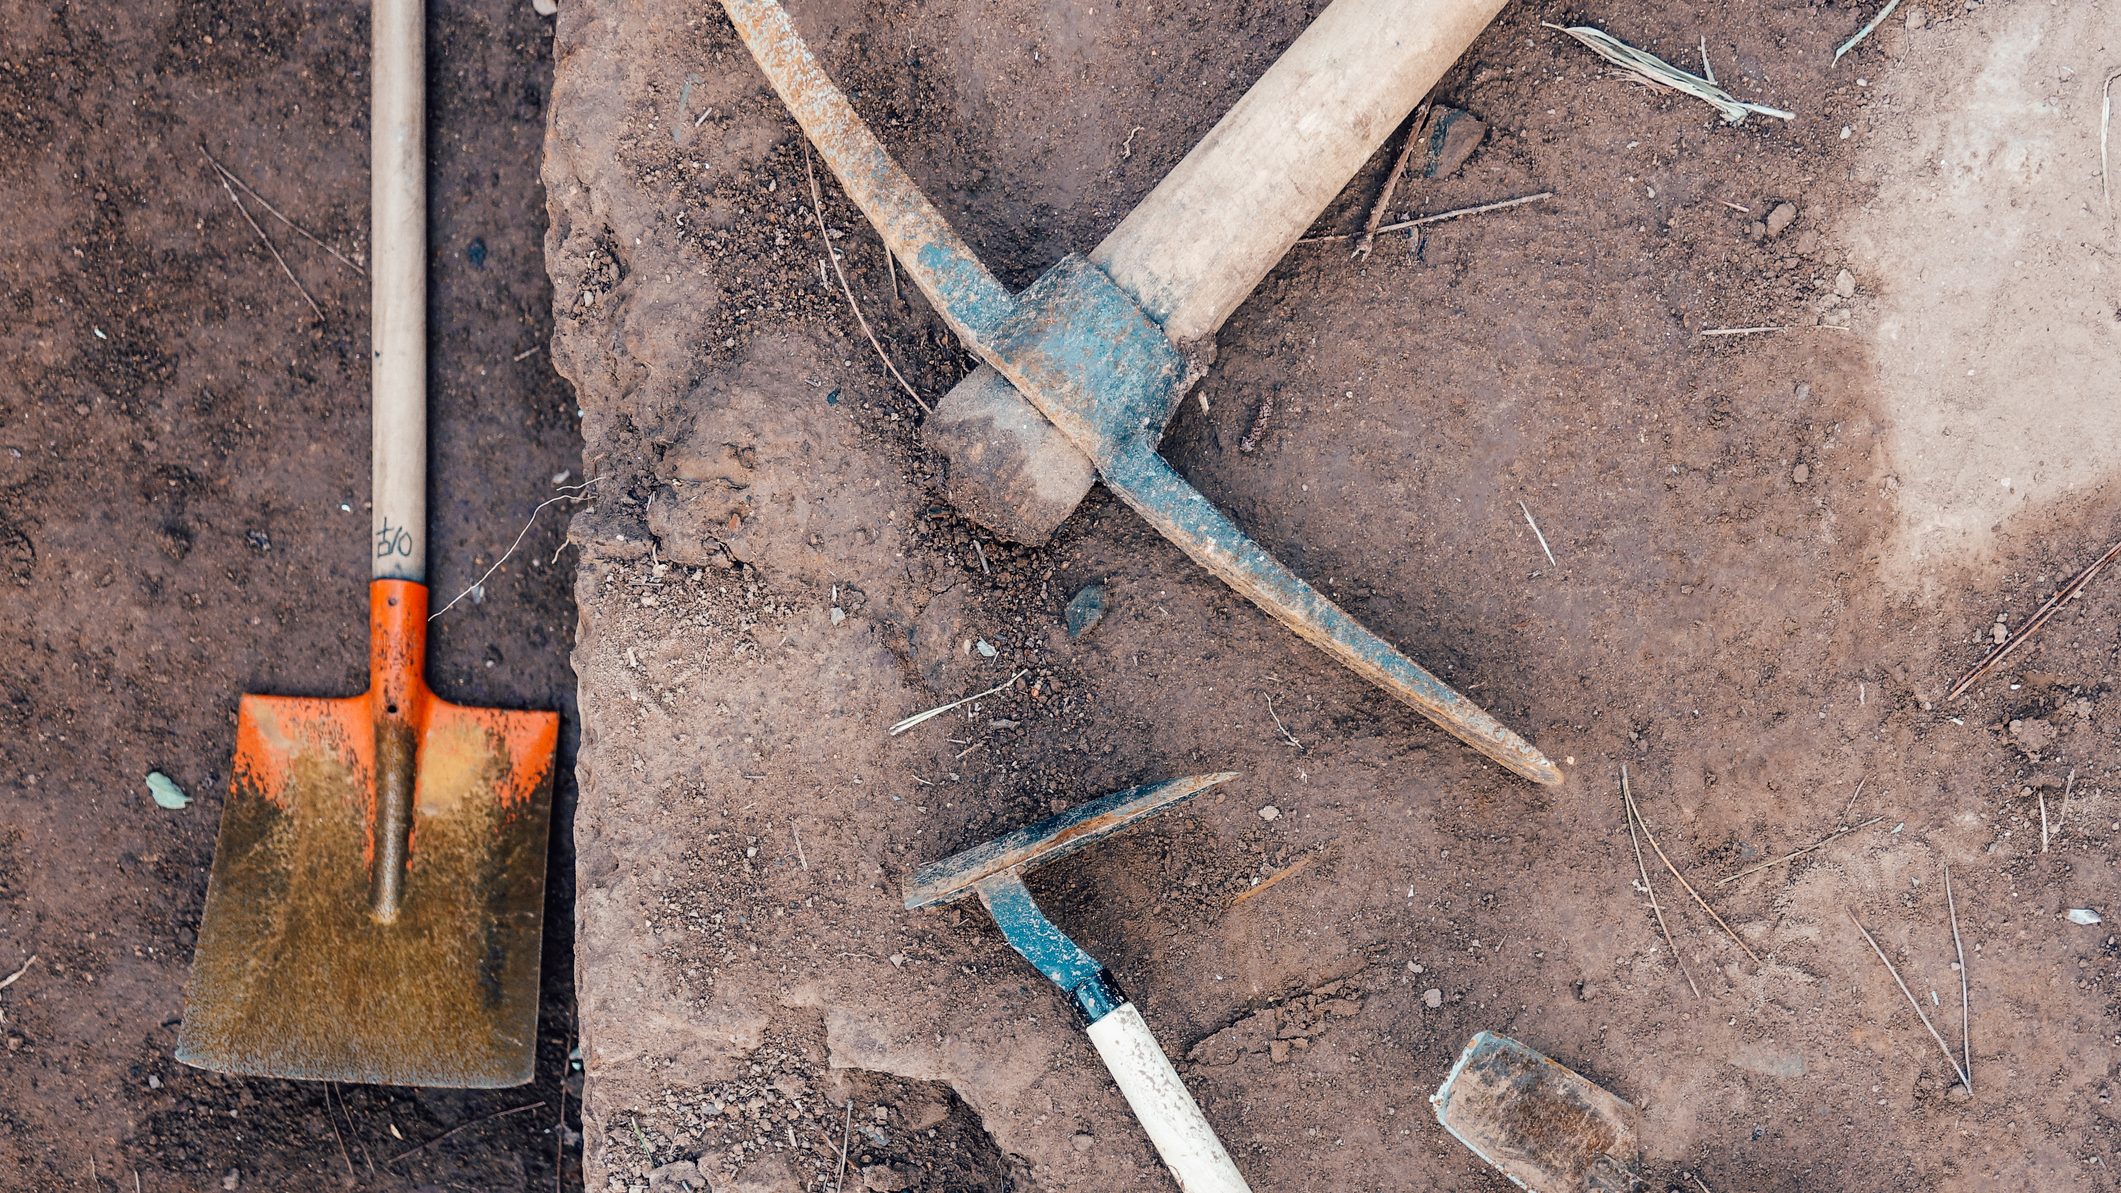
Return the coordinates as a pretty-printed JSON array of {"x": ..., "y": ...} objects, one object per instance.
[
  {"x": 1889, "y": 968},
  {"x": 270, "y": 247},
  {"x": 919, "y": 717},
  {"x": 1657, "y": 72},
  {"x": 1549, "y": 551},
  {"x": 1794, "y": 854},
  {"x": 2003, "y": 649},
  {"x": 2069, "y": 787},
  {"x": 16, "y": 976},
  {"x": 1684, "y": 884},
  {"x": 817, "y": 210},
  {"x": 1867, "y": 30},
  {"x": 1710, "y": 332},
  {"x": 839, "y": 1177},
  {"x": 1966, "y": 999},
  {"x": 1439, "y": 217},
  {"x": 1627, "y": 812}
]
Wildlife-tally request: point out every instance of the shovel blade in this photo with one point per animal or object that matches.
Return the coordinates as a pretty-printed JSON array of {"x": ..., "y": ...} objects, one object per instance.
[
  {"x": 1541, "y": 1124},
  {"x": 295, "y": 977}
]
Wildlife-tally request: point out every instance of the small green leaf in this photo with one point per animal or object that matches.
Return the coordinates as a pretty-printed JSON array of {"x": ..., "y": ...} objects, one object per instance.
[{"x": 166, "y": 792}]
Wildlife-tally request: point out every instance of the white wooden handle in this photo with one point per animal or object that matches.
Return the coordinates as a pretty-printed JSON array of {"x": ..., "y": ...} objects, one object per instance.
[
  {"x": 398, "y": 275},
  {"x": 1160, "y": 1100}
]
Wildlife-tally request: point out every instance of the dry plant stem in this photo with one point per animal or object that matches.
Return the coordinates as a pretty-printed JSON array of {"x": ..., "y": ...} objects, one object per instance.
[
  {"x": 1548, "y": 551},
  {"x": 846, "y": 1131},
  {"x": 418, "y": 1147},
  {"x": 1966, "y": 1000},
  {"x": 1399, "y": 169},
  {"x": 1853, "y": 797},
  {"x": 1867, "y": 30},
  {"x": 2043, "y": 821},
  {"x": 1627, "y": 813},
  {"x": 1708, "y": 332},
  {"x": 1688, "y": 886},
  {"x": 1439, "y": 217},
  {"x": 1285, "y": 734},
  {"x": 577, "y": 496},
  {"x": 270, "y": 247},
  {"x": 274, "y": 212},
  {"x": 1288, "y": 871},
  {"x": 919, "y": 717},
  {"x": 336, "y": 1132},
  {"x": 2002, "y": 650},
  {"x": 1794, "y": 854},
  {"x": 16, "y": 976},
  {"x": 2106, "y": 120},
  {"x": 1949, "y": 1059},
  {"x": 2068, "y": 786},
  {"x": 817, "y": 209}
]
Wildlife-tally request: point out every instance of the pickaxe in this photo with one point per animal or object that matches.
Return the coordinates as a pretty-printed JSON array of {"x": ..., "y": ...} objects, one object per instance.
[{"x": 1101, "y": 351}]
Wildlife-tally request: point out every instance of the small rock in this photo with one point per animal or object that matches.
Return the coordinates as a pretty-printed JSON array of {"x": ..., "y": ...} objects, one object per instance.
[
  {"x": 1800, "y": 474},
  {"x": 2083, "y": 916},
  {"x": 1432, "y": 998},
  {"x": 986, "y": 649},
  {"x": 881, "y": 1114},
  {"x": 1085, "y": 609},
  {"x": 232, "y": 1179},
  {"x": 883, "y": 1178},
  {"x": 1278, "y": 1051},
  {"x": 1755, "y": 230},
  {"x": 1586, "y": 992},
  {"x": 153, "y": 1082},
  {"x": 1270, "y": 813},
  {"x": 1780, "y": 219},
  {"x": 1916, "y": 18},
  {"x": 923, "y": 1115},
  {"x": 1845, "y": 284},
  {"x": 678, "y": 1174},
  {"x": 1084, "y": 1143},
  {"x": 838, "y": 615}
]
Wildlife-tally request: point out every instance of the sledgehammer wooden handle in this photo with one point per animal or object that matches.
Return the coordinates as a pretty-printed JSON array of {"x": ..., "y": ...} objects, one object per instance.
[{"x": 1199, "y": 243}]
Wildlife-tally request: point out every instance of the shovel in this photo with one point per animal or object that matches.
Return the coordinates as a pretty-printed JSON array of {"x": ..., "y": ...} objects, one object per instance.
[{"x": 374, "y": 909}]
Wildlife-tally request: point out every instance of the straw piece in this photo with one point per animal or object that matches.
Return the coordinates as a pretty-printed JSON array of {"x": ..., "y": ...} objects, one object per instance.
[
  {"x": 1949, "y": 1059},
  {"x": 1866, "y": 31},
  {"x": 1627, "y": 813},
  {"x": 1657, "y": 72}
]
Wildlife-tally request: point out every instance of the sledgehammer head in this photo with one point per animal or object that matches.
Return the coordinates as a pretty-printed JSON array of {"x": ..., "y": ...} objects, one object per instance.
[
  {"x": 1540, "y": 1124},
  {"x": 1050, "y": 839}
]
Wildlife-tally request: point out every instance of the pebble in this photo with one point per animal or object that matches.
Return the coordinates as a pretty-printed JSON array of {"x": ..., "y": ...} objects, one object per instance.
[
  {"x": 1845, "y": 284},
  {"x": 1916, "y": 18},
  {"x": 1084, "y": 1143},
  {"x": 1432, "y": 998},
  {"x": 1801, "y": 473},
  {"x": 1085, "y": 609},
  {"x": 1270, "y": 813},
  {"x": 678, "y": 1174},
  {"x": 1780, "y": 219}
]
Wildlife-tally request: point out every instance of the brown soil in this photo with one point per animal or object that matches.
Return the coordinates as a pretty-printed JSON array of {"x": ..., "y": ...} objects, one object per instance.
[
  {"x": 183, "y": 469},
  {"x": 773, "y": 576}
]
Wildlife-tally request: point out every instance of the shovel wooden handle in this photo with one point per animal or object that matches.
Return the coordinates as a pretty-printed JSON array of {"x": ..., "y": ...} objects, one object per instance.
[{"x": 398, "y": 277}]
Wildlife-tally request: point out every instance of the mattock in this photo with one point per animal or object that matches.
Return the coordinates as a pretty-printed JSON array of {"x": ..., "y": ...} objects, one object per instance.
[
  {"x": 994, "y": 872},
  {"x": 1098, "y": 346}
]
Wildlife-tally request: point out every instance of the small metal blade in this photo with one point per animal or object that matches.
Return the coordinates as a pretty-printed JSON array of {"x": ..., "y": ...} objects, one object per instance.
[{"x": 1538, "y": 1123}]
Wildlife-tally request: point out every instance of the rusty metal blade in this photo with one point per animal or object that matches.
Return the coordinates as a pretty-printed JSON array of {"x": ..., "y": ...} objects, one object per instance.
[{"x": 1539, "y": 1123}]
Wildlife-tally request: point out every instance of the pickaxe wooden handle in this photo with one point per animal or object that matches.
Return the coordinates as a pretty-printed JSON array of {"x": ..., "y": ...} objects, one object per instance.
[{"x": 1199, "y": 243}]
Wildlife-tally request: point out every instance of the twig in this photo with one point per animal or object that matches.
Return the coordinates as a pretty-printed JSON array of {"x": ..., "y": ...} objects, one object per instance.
[
  {"x": 1797, "y": 853},
  {"x": 1949, "y": 1059},
  {"x": 526, "y": 353},
  {"x": 800, "y": 856},
  {"x": 1704, "y": 1185},
  {"x": 1288, "y": 871},
  {"x": 1738, "y": 331},
  {"x": 578, "y": 495},
  {"x": 817, "y": 209},
  {"x": 1684, "y": 884},
  {"x": 1966, "y": 1000},
  {"x": 270, "y": 247},
  {"x": 1285, "y": 734},
  {"x": 274, "y": 212},
  {"x": 16, "y": 976},
  {"x": 1439, "y": 217},
  {"x": 337, "y": 1133},
  {"x": 919, "y": 717},
  {"x": 1864, "y": 32},
  {"x": 2043, "y": 819},
  {"x": 980, "y": 551},
  {"x": 846, "y": 1133},
  {"x": 1853, "y": 797},
  {"x": 2001, "y": 650},
  {"x": 1384, "y": 193},
  {"x": 1535, "y": 531},
  {"x": 1627, "y": 813},
  {"x": 465, "y": 1127},
  {"x": 2068, "y": 785}
]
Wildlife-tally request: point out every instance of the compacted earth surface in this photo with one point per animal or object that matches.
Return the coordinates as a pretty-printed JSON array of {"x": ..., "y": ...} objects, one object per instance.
[
  {"x": 1761, "y": 560},
  {"x": 183, "y": 486}
]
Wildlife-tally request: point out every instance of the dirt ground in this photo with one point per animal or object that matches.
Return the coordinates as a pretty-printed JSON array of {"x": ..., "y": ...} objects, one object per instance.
[
  {"x": 1746, "y": 606},
  {"x": 183, "y": 472}
]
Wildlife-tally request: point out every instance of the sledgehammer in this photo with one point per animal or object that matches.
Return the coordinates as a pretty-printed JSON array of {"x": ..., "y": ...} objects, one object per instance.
[
  {"x": 995, "y": 873},
  {"x": 1097, "y": 358}
]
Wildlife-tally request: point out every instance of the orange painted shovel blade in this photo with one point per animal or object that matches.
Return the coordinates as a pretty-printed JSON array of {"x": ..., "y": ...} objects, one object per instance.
[{"x": 296, "y": 975}]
